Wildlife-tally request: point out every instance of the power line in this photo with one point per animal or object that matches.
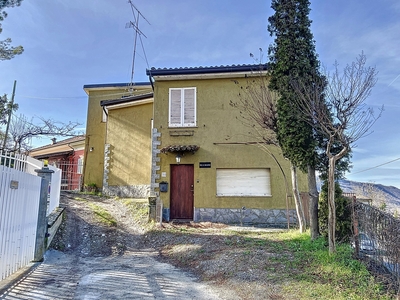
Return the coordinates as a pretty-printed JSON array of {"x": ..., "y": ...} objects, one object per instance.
[
  {"x": 376, "y": 166},
  {"x": 51, "y": 98},
  {"x": 80, "y": 97}
]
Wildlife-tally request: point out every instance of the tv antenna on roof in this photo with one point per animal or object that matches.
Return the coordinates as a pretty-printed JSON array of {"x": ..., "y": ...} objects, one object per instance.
[{"x": 138, "y": 35}]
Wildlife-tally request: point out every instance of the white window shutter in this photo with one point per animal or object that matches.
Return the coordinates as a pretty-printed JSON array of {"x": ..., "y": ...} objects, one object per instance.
[
  {"x": 189, "y": 104},
  {"x": 175, "y": 107}
]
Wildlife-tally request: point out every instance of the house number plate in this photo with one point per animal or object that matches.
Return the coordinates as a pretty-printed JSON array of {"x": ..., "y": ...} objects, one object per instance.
[
  {"x": 14, "y": 184},
  {"x": 204, "y": 164}
]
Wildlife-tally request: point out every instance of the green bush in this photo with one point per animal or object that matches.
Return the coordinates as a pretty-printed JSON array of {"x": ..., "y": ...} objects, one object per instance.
[
  {"x": 343, "y": 213},
  {"x": 90, "y": 188}
]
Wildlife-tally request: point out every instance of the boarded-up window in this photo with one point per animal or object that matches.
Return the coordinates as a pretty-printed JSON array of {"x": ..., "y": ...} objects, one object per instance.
[
  {"x": 243, "y": 182},
  {"x": 182, "y": 107}
]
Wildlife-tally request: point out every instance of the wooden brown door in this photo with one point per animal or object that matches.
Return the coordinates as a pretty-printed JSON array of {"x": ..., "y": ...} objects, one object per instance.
[{"x": 181, "y": 192}]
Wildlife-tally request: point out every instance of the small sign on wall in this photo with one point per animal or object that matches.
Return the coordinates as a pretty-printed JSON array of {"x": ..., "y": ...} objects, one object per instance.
[
  {"x": 14, "y": 184},
  {"x": 205, "y": 164}
]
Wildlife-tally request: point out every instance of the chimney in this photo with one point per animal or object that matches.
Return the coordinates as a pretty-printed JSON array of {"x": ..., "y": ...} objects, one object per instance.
[{"x": 54, "y": 140}]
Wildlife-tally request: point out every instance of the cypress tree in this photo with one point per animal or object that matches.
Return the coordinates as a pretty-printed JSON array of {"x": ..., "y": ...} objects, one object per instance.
[{"x": 293, "y": 56}]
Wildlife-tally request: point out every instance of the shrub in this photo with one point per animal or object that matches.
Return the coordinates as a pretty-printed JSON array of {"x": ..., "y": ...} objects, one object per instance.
[
  {"x": 343, "y": 213},
  {"x": 90, "y": 188}
]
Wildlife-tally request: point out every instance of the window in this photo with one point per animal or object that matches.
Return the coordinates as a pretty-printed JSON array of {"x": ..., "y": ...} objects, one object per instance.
[
  {"x": 80, "y": 165},
  {"x": 182, "y": 107},
  {"x": 243, "y": 182}
]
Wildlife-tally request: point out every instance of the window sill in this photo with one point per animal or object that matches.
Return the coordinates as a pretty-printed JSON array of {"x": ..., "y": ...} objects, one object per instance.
[
  {"x": 181, "y": 132},
  {"x": 182, "y": 127},
  {"x": 243, "y": 196}
]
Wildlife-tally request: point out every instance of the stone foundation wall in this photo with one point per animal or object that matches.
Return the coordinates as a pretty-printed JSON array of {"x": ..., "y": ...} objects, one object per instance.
[
  {"x": 131, "y": 191},
  {"x": 246, "y": 216}
]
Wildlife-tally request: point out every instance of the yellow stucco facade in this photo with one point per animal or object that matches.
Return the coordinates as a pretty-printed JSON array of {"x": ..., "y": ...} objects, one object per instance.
[
  {"x": 129, "y": 140},
  {"x": 225, "y": 143},
  {"x": 98, "y": 133},
  {"x": 132, "y": 140}
]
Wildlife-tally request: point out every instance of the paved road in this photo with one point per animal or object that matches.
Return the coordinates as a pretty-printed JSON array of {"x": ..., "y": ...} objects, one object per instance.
[{"x": 133, "y": 275}]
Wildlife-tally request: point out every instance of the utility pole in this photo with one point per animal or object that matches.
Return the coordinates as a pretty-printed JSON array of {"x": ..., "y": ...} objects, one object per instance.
[{"x": 9, "y": 115}]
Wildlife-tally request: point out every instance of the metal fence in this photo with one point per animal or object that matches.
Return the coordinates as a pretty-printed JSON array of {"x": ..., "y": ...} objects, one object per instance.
[
  {"x": 377, "y": 237},
  {"x": 33, "y": 164},
  {"x": 71, "y": 174},
  {"x": 19, "y": 194},
  {"x": 19, "y": 209}
]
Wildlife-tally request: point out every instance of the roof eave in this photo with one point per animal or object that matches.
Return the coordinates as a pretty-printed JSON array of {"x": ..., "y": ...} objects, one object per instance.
[
  {"x": 206, "y": 70},
  {"x": 128, "y": 100},
  {"x": 208, "y": 76},
  {"x": 114, "y": 86}
]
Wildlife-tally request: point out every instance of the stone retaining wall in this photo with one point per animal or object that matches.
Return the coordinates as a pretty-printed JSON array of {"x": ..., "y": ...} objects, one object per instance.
[
  {"x": 130, "y": 191},
  {"x": 246, "y": 216}
]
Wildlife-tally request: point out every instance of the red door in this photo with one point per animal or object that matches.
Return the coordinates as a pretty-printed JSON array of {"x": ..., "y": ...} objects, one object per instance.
[{"x": 181, "y": 193}]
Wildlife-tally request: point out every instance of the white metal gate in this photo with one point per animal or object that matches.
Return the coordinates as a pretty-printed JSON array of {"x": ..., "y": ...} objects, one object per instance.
[
  {"x": 71, "y": 175},
  {"x": 19, "y": 194},
  {"x": 19, "y": 208}
]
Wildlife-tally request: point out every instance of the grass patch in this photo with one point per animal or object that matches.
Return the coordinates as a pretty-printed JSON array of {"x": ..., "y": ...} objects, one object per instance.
[
  {"x": 103, "y": 215},
  {"x": 304, "y": 269},
  {"x": 139, "y": 211},
  {"x": 317, "y": 274},
  {"x": 79, "y": 199}
]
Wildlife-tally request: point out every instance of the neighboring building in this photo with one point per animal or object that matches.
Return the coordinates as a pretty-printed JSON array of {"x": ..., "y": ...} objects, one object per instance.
[
  {"x": 97, "y": 135},
  {"x": 67, "y": 155},
  {"x": 196, "y": 156},
  {"x": 127, "y": 167}
]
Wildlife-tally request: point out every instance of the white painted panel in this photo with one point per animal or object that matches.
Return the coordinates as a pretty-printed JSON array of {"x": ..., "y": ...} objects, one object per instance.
[
  {"x": 19, "y": 203},
  {"x": 175, "y": 107},
  {"x": 189, "y": 103},
  {"x": 243, "y": 182}
]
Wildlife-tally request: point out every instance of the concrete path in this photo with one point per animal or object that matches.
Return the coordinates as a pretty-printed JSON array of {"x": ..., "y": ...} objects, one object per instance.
[{"x": 133, "y": 275}]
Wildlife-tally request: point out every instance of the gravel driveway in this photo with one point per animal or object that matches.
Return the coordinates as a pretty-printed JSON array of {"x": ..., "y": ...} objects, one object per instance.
[
  {"x": 133, "y": 275},
  {"x": 95, "y": 261}
]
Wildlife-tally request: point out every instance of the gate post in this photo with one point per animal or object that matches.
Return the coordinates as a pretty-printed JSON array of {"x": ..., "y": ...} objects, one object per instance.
[
  {"x": 41, "y": 229},
  {"x": 355, "y": 227},
  {"x": 152, "y": 208}
]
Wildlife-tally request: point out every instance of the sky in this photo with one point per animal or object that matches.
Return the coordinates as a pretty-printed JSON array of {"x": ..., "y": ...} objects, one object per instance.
[{"x": 72, "y": 43}]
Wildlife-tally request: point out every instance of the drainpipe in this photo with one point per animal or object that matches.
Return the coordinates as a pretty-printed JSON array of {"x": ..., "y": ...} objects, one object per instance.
[
  {"x": 105, "y": 110},
  {"x": 85, "y": 157},
  {"x": 151, "y": 82}
]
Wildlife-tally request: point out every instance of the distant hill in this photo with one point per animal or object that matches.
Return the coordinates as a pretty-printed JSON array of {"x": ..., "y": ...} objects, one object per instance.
[{"x": 379, "y": 193}]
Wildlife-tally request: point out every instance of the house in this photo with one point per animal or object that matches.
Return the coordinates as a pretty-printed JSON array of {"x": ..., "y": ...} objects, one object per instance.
[
  {"x": 67, "y": 155},
  {"x": 214, "y": 170},
  {"x": 118, "y": 131},
  {"x": 179, "y": 139}
]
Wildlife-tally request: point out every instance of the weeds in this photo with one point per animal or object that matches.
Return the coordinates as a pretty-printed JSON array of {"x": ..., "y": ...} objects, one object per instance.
[
  {"x": 139, "y": 211},
  {"x": 103, "y": 215},
  {"x": 302, "y": 267}
]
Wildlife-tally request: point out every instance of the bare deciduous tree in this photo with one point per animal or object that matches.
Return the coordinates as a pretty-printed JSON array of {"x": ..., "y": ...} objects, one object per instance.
[
  {"x": 21, "y": 130},
  {"x": 338, "y": 111},
  {"x": 257, "y": 105}
]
